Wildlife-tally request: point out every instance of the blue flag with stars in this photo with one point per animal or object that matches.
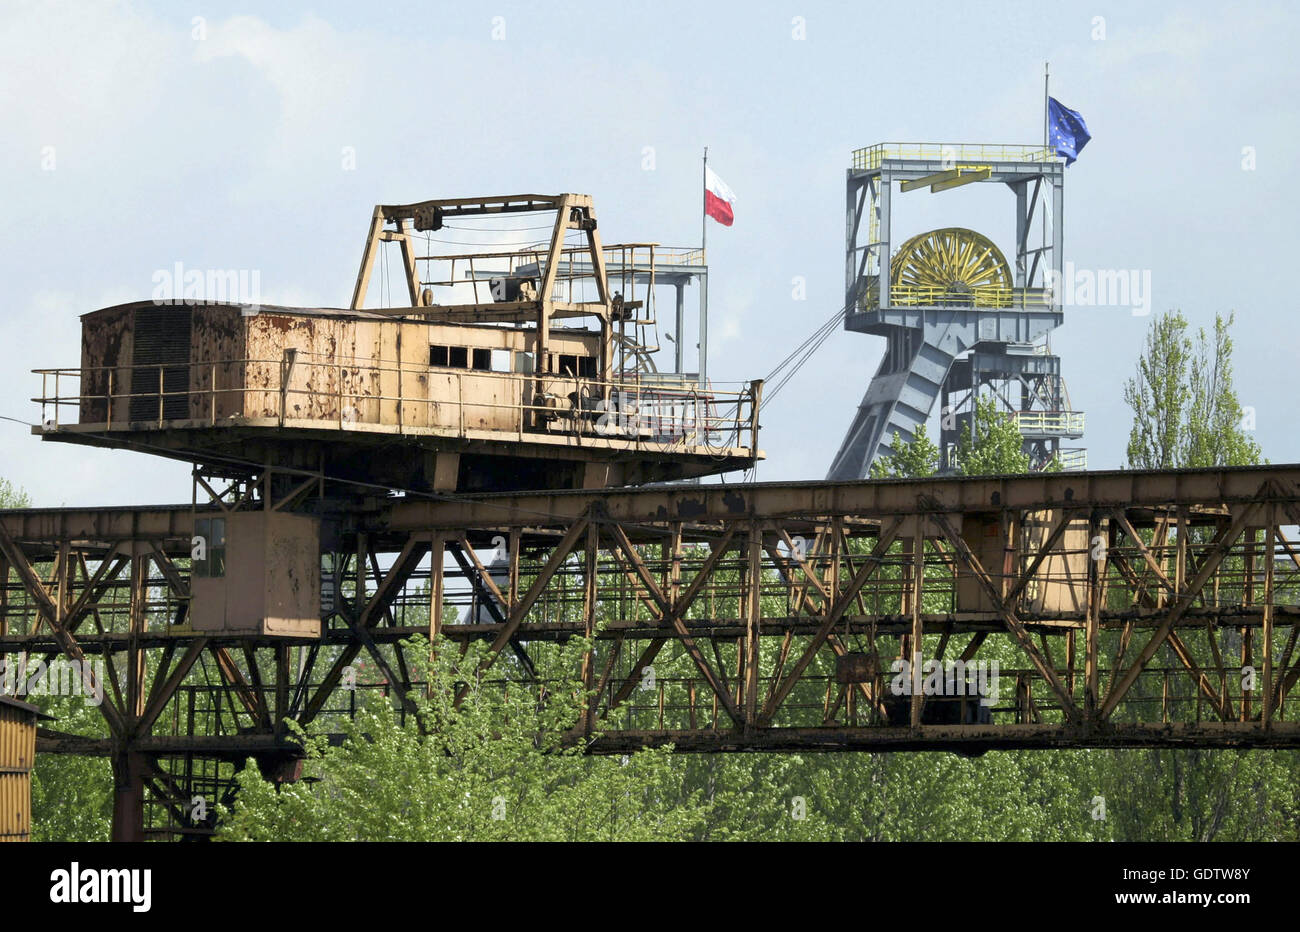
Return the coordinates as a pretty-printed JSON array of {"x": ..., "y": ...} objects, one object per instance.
[{"x": 1066, "y": 130}]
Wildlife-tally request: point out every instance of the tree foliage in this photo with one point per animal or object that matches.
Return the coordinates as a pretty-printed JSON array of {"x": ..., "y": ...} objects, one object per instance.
[
  {"x": 1185, "y": 409},
  {"x": 917, "y": 458},
  {"x": 1186, "y": 414},
  {"x": 494, "y": 767},
  {"x": 996, "y": 448}
]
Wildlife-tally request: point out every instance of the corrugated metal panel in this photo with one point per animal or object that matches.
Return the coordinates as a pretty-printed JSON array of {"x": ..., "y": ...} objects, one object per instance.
[
  {"x": 17, "y": 754},
  {"x": 162, "y": 345},
  {"x": 17, "y": 739},
  {"x": 15, "y": 807}
]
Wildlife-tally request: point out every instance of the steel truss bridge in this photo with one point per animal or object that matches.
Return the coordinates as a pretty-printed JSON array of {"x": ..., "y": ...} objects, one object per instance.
[{"x": 1127, "y": 609}]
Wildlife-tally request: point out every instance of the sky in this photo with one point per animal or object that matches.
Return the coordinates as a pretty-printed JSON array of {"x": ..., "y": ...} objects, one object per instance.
[{"x": 225, "y": 136}]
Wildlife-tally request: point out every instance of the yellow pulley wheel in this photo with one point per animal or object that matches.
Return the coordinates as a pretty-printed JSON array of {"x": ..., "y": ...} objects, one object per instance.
[{"x": 952, "y": 264}]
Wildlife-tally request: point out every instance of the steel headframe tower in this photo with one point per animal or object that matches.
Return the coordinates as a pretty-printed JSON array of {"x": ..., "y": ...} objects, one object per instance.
[{"x": 959, "y": 322}]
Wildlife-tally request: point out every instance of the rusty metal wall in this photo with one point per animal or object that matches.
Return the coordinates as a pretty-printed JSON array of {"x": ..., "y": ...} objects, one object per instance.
[
  {"x": 217, "y": 343},
  {"x": 348, "y": 368},
  {"x": 292, "y": 600},
  {"x": 106, "y": 342},
  {"x": 1063, "y": 584},
  {"x": 361, "y": 370}
]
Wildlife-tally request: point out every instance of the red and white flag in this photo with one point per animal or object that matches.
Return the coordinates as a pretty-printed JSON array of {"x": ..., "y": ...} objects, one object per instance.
[{"x": 719, "y": 200}]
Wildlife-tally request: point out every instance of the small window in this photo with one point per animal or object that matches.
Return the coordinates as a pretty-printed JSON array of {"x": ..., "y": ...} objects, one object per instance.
[
  {"x": 568, "y": 365},
  {"x": 212, "y": 531},
  {"x": 202, "y": 538},
  {"x": 500, "y": 360},
  {"x": 437, "y": 355},
  {"x": 483, "y": 360},
  {"x": 524, "y": 362},
  {"x": 586, "y": 367},
  {"x": 459, "y": 357}
]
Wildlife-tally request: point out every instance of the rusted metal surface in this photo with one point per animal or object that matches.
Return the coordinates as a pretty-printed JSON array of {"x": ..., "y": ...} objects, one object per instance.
[
  {"x": 106, "y": 359},
  {"x": 321, "y": 388},
  {"x": 495, "y": 393},
  {"x": 1210, "y": 490}
]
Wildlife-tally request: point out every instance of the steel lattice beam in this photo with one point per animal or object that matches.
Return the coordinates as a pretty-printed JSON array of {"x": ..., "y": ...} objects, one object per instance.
[{"x": 762, "y": 617}]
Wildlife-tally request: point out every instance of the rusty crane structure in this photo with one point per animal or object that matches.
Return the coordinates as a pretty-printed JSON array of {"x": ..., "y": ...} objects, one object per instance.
[{"x": 364, "y": 476}]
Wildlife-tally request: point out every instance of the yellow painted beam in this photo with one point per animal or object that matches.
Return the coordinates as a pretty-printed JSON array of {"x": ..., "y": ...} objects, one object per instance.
[
  {"x": 963, "y": 177},
  {"x": 929, "y": 180}
]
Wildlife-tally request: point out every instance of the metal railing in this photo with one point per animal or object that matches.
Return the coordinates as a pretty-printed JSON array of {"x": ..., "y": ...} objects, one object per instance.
[
  {"x": 1050, "y": 422},
  {"x": 980, "y": 296},
  {"x": 870, "y": 157},
  {"x": 1073, "y": 459},
  {"x": 458, "y": 401},
  {"x": 473, "y": 272},
  {"x": 679, "y": 255}
]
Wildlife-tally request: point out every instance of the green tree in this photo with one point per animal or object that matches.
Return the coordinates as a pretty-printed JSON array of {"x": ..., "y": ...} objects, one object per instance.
[
  {"x": 1185, "y": 409},
  {"x": 1214, "y": 434},
  {"x": 1186, "y": 414},
  {"x": 916, "y": 459},
  {"x": 72, "y": 797},
  {"x": 493, "y": 767},
  {"x": 996, "y": 448},
  {"x": 1158, "y": 394},
  {"x": 13, "y": 497}
]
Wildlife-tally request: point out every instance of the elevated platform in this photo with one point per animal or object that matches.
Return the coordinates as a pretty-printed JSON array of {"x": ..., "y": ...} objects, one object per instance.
[
  {"x": 394, "y": 398},
  {"x": 472, "y": 387}
]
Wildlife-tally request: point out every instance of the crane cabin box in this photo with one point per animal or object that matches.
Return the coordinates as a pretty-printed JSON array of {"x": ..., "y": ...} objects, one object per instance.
[
  {"x": 529, "y": 368},
  {"x": 1061, "y": 582},
  {"x": 256, "y": 573}
]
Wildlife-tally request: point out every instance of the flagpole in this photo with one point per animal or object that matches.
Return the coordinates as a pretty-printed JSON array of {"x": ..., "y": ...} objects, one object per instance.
[
  {"x": 1046, "y": 66},
  {"x": 703, "y": 345},
  {"x": 704, "y": 204},
  {"x": 1043, "y": 194}
]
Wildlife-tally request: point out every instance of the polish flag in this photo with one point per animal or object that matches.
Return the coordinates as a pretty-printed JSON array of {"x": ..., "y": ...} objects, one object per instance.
[{"x": 719, "y": 200}]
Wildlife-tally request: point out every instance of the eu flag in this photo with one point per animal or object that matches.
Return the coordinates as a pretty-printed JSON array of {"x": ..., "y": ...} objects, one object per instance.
[{"x": 1066, "y": 130}]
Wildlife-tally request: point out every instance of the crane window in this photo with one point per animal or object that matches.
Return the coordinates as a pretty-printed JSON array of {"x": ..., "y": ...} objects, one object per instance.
[
  {"x": 209, "y": 548},
  {"x": 573, "y": 366}
]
